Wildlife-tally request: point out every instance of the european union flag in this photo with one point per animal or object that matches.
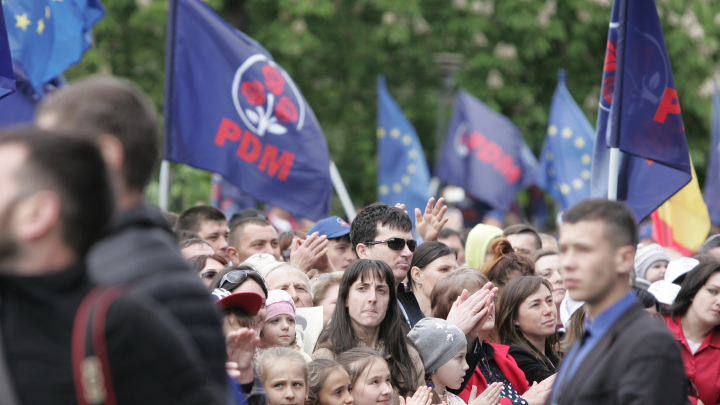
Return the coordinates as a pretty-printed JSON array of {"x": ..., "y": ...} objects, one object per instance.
[
  {"x": 48, "y": 36},
  {"x": 403, "y": 176},
  {"x": 7, "y": 79},
  {"x": 639, "y": 113},
  {"x": 230, "y": 109},
  {"x": 712, "y": 176},
  {"x": 566, "y": 154},
  {"x": 484, "y": 153},
  {"x": 19, "y": 107}
]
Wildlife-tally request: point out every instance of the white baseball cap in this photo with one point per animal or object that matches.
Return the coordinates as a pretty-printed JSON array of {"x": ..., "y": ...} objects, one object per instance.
[
  {"x": 664, "y": 291},
  {"x": 677, "y": 268}
]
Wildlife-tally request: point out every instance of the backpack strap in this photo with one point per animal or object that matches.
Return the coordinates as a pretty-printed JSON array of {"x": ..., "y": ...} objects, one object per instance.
[{"x": 91, "y": 365}]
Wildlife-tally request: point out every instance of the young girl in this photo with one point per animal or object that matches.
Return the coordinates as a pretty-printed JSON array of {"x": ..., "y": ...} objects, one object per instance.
[
  {"x": 371, "y": 382},
  {"x": 329, "y": 384},
  {"x": 443, "y": 347},
  {"x": 279, "y": 327},
  {"x": 284, "y": 374}
]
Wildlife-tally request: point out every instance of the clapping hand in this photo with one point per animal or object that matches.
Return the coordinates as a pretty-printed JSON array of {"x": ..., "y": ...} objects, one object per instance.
[
  {"x": 423, "y": 396},
  {"x": 491, "y": 395}
]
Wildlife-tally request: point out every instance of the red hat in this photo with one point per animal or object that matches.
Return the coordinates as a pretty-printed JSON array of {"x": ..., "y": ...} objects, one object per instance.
[{"x": 249, "y": 301}]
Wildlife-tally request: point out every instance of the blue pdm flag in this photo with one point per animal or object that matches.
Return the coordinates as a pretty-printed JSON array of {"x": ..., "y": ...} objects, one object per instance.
[
  {"x": 228, "y": 197},
  {"x": 230, "y": 109},
  {"x": 403, "y": 176},
  {"x": 566, "y": 154},
  {"x": 484, "y": 153},
  {"x": 48, "y": 36},
  {"x": 7, "y": 79},
  {"x": 639, "y": 113},
  {"x": 712, "y": 175}
]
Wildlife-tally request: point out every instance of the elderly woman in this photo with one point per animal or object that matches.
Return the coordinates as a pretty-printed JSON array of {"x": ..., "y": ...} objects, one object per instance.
[
  {"x": 325, "y": 293},
  {"x": 367, "y": 315}
]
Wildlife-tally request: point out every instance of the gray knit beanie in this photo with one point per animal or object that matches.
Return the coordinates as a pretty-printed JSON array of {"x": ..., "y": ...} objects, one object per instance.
[
  {"x": 647, "y": 255},
  {"x": 437, "y": 340}
]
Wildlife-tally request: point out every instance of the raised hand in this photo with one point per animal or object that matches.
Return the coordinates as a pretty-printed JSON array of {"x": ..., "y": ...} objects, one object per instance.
[
  {"x": 305, "y": 253},
  {"x": 491, "y": 395},
  {"x": 430, "y": 224},
  {"x": 240, "y": 346}
]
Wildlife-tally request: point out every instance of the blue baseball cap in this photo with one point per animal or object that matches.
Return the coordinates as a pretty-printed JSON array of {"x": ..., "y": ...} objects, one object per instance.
[{"x": 333, "y": 227}]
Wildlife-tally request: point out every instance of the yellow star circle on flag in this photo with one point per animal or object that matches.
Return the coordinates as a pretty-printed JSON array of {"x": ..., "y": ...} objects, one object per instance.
[
  {"x": 578, "y": 184},
  {"x": 383, "y": 190},
  {"x": 585, "y": 159},
  {"x": 405, "y": 179},
  {"x": 397, "y": 187},
  {"x": 564, "y": 188},
  {"x": 579, "y": 142},
  {"x": 549, "y": 156},
  {"x": 552, "y": 130},
  {"x": 395, "y": 133},
  {"x": 566, "y": 133},
  {"x": 381, "y": 132},
  {"x": 412, "y": 153},
  {"x": 407, "y": 139},
  {"x": 411, "y": 168},
  {"x": 551, "y": 172},
  {"x": 585, "y": 174},
  {"x": 47, "y": 12},
  {"x": 22, "y": 21},
  {"x": 41, "y": 26}
]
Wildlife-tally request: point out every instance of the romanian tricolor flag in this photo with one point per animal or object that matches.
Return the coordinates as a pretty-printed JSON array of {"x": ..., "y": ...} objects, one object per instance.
[{"x": 682, "y": 222}]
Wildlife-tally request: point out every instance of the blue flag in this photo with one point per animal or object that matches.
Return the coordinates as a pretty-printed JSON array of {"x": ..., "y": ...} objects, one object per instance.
[
  {"x": 48, "y": 36},
  {"x": 230, "y": 109},
  {"x": 7, "y": 79},
  {"x": 228, "y": 198},
  {"x": 19, "y": 107},
  {"x": 639, "y": 113},
  {"x": 712, "y": 175},
  {"x": 566, "y": 154},
  {"x": 403, "y": 176},
  {"x": 484, "y": 153}
]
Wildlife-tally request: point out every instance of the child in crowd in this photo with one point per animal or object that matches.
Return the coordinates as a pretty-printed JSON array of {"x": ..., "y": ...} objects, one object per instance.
[
  {"x": 443, "y": 347},
  {"x": 371, "y": 383},
  {"x": 329, "y": 384},
  {"x": 284, "y": 374},
  {"x": 651, "y": 261},
  {"x": 240, "y": 309},
  {"x": 279, "y": 327}
]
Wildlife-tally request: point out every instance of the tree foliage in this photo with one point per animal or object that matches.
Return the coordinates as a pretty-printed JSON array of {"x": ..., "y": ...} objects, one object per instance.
[{"x": 334, "y": 49}]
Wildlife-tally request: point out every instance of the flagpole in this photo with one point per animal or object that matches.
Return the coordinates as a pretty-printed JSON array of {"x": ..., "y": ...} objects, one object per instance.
[
  {"x": 614, "y": 172},
  {"x": 164, "y": 185},
  {"x": 616, "y": 107},
  {"x": 342, "y": 193}
]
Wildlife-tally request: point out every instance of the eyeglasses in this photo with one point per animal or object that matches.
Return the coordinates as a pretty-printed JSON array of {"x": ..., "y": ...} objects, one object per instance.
[
  {"x": 396, "y": 243},
  {"x": 235, "y": 277}
]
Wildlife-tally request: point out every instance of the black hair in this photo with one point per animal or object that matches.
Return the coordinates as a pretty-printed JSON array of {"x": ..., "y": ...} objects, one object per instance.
[
  {"x": 427, "y": 253},
  {"x": 646, "y": 299},
  {"x": 251, "y": 275},
  {"x": 520, "y": 229},
  {"x": 109, "y": 105},
  {"x": 193, "y": 218},
  {"x": 448, "y": 232},
  {"x": 695, "y": 279},
  {"x": 74, "y": 169},
  {"x": 364, "y": 226},
  {"x": 339, "y": 335},
  {"x": 620, "y": 228}
]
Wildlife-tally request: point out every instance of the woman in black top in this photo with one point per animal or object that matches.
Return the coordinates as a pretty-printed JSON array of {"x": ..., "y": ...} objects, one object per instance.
[{"x": 527, "y": 322}]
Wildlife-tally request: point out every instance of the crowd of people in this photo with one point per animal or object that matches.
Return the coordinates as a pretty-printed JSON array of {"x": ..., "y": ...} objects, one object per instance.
[{"x": 105, "y": 300}]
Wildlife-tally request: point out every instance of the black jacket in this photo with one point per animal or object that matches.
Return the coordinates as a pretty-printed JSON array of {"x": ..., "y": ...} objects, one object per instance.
[
  {"x": 140, "y": 250},
  {"x": 636, "y": 362},
  {"x": 150, "y": 360},
  {"x": 532, "y": 367}
]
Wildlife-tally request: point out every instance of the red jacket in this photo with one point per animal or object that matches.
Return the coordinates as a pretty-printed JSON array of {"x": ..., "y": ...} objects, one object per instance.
[
  {"x": 703, "y": 367},
  {"x": 510, "y": 370}
]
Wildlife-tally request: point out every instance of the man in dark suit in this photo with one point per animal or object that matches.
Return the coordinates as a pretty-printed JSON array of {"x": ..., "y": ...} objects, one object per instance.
[{"x": 625, "y": 356}]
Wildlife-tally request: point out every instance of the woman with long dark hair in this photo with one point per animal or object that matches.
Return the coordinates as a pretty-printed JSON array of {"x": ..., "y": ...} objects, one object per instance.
[
  {"x": 527, "y": 320},
  {"x": 430, "y": 261},
  {"x": 694, "y": 319},
  {"x": 367, "y": 315}
]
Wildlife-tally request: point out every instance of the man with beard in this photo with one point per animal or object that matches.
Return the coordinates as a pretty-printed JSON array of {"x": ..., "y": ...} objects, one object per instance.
[{"x": 55, "y": 200}]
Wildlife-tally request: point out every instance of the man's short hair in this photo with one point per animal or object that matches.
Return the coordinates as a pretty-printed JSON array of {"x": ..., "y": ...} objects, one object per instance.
[
  {"x": 620, "y": 228},
  {"x": 192, "y": 242},
  {"x": 193, "y": 218},
  {"x": 186, "y": 235},
  {"x": 110, "y": 105},
  {"x": 73, "y": 169},
  {"x": 364, "y": 226},
  {"x": 522, "y": 229},
  {"x": 237, "y": 229}
]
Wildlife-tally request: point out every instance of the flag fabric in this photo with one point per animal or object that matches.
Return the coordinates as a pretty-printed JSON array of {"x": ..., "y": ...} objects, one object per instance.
[
  {"x": 403, "y": 175},
  {"x": 484, "y": 153},
  {"x": 230, "y": 109},
  {"x": 7, "y": 78},
  {"x": 48, "y": 36},
  {"x": 639, "y": 113},
  {"x": 712, "y": 175},
  {"x": 228, "y": 197},
  {"x": 682, "y": 222},
  {"x": 566, "y": 154},
  {"x": 19, "y": 107}
]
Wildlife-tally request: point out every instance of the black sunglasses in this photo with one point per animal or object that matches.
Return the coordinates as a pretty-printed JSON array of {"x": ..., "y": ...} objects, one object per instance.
[
  {"x": 396, "y": 243},
  {"x": 235, "y": 277}
]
